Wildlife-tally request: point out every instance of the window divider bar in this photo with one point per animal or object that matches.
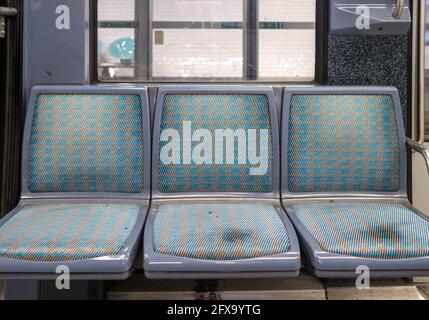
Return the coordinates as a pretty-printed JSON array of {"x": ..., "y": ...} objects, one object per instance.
[
  {"x": 143, "y": 38},
  {"x": 250, "y": 43}
]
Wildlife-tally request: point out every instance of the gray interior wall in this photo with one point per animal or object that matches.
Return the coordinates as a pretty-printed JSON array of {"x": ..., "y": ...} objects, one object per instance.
[
  {"x": 52, "y": 55},
  {"x": 370, "y": 60}
]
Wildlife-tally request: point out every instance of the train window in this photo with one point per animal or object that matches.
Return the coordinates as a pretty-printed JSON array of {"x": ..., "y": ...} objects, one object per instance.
[
  {"x": 287, "y": 39},
  {"x": 206, "y": 40},
  {"x": 197, "y": 39}
]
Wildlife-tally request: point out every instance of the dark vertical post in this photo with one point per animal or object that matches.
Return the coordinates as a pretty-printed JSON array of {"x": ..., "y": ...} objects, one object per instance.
[
  {"x": 10, "y": 108},
  {"x": 93, "y": 41},
  {"x": 143, "y": 40},
  {"x": 322, "y": 30},
  {"x": 250, "y": 43}
]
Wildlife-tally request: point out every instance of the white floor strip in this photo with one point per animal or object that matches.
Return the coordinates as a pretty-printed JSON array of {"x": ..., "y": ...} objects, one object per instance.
[{"x": 375, "y": 293}]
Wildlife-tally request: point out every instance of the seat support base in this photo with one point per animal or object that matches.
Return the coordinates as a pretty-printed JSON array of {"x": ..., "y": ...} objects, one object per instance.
[
  {"x": 22, "y": 290},
  {"x": 79, "y": 290},
  {"x": 46, "y": 290}
]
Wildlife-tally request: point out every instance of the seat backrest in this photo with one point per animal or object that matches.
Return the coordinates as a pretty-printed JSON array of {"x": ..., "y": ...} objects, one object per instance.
[
  {"x": 87, "y": 141},
  {"x": 344, "y": 141},
  {"x": 215, "y": 142}
]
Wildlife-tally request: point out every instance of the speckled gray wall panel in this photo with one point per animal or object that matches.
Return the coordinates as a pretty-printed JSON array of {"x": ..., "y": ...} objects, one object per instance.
[{"x": 369, "y": 60}]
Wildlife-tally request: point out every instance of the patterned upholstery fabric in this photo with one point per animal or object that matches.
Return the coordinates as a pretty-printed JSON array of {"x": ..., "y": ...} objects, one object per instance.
[
  {"x": 60, "y": 233},
  {"x": 219, "y": 231},
  {"x": 211, "y": 112},
  {"x": 86, "y": 143},
  {"x": 366, "y": 230},
  {"x": 343, "y": 143}
]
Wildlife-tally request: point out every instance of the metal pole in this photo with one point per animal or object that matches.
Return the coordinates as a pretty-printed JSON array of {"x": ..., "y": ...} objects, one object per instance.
[{"x": 8, "y": 12}]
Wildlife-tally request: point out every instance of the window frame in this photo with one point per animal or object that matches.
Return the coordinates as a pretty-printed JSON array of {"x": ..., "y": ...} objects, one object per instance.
[{"x": 143, "y": 53}]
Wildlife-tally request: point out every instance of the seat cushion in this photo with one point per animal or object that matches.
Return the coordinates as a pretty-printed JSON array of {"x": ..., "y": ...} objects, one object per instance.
[
  {"x": 86, "y": 143},
  {"x": 60, "y": 233},
  {"x": 225, "y": 167},
  {"x": 219, "y": 231},
  {"x": 367, "y": 230},
  {"x": 343, "y": 143}
]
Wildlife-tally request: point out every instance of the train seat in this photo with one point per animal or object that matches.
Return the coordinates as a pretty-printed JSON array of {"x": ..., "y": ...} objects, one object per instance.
[
  {"x": 216, "y": 209},
  {"x": 344, "y": 172},
  {"x": 85, "y": 185}
]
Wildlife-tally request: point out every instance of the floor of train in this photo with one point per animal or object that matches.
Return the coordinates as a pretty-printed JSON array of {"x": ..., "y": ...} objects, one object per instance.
[{"x": 304, "y": 287}]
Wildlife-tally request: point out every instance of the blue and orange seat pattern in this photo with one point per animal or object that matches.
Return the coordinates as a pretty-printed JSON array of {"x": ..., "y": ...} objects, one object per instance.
[
  {"x": 211, "y": 112},
  {"x": 343, "y": 143},
  {"x": 86, "y": 143},
  {"x": 219, "y": 231},
  {"x": 79, "y": 143},
  {"x": 61, "y": 232},
  {"x": 337, "y": 144},
  {"x": 374, "y": 230}
]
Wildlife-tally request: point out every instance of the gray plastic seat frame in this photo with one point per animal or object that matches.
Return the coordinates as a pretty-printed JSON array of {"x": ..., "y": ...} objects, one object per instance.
[
  {"x": 115, "y": 267},
  {"x": 328, "y": 265},
  {"x": 158, "y": 266}
]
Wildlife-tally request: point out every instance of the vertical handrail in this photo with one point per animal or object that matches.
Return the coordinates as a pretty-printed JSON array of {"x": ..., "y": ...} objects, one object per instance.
[
  {"x": 418, "y": 73},
  {"x": 400, "y": 5},
  {"x": 421, "y": 72}
]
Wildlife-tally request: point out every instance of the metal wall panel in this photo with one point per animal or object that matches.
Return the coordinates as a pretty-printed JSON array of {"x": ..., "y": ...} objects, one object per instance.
[{"x": 55, "y": 51}]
